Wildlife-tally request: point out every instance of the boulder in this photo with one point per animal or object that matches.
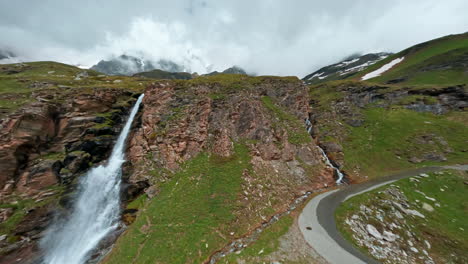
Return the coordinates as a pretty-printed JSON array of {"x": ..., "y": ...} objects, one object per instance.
[
  {"x": 152, "y": 191},
  {"x": 427, "y": 207},
  {"x": 373, "y": 231},
  {"x": 389, "y": 236},
  {"x": 332, "y": 147}
]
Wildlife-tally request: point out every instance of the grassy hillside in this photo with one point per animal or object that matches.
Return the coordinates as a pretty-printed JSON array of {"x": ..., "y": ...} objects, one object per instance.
[
  {"x": 20, "y": 83},
  {"x": 439, "y": 234},
  {"x": 189, "y": 218},
  {"x": 441, "y": 61},
  {"x": 384, "y": 129},
  {"x": 390, "y": 138}
]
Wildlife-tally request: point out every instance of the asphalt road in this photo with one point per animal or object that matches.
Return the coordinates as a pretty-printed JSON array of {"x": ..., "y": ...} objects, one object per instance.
[{"x": 317, "y": 220}]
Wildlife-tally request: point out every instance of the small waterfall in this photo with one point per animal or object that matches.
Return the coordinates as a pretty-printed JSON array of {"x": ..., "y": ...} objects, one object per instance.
[
  {"x": 324, "y": 155},
  {"x": 95, "y": 212}
]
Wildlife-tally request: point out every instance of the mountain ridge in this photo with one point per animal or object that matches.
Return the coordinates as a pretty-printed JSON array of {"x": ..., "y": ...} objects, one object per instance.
[{"x": 345, "y": 68}]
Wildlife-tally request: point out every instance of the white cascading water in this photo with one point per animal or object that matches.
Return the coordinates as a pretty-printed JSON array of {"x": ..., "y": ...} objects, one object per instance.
[
  {"x": 95, "y": 212},
  {"x": 324, "y": 155}
]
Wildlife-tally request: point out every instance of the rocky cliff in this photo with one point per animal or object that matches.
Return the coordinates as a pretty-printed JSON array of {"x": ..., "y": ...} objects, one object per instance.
[
  {"x": 204, "y": 133},
  {"x": 44, "y": 147},
  {"x": 60, "y": 131}
]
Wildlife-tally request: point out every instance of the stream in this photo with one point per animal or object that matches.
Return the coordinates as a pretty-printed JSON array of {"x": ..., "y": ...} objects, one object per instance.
[{"x": 339, "y": 174}]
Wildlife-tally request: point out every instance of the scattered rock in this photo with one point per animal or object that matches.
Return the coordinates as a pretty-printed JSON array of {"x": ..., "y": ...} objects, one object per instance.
[
  {"x": 81, "y": 75},
  {"x": 332, "y": 147},
  {"x": 152, "y": 191},
  {"x": 415, "y": 213},
  {"x": 355, "y": 122},
  {"x": 434, "y": 157},
  {"x": 389, "y": 236},
  {"x": 415, "y": 160},
  {"x": 428, "y": 245},
  {"x": 428, "y": 207},
  {"x": 373, "y": 231},
  {"x": 5, "y": 213}
]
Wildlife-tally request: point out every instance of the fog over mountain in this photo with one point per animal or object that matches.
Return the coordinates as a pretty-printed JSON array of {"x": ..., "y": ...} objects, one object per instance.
[{"x": 264, "y": 37}]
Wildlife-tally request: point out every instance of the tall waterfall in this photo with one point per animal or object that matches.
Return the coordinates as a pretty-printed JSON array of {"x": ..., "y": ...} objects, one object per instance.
[
  {"x": 324, "y": 155},
  {"x": 95, "y": 212}
]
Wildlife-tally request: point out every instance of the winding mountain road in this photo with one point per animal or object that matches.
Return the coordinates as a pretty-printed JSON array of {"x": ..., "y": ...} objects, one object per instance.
[{"x": 317, "y": 220}]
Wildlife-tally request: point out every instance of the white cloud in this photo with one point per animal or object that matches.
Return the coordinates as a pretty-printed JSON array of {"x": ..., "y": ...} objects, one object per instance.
[{"x": 264, "y": 36}]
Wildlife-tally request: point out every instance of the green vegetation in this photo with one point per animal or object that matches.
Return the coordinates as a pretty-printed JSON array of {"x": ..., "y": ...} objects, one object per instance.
[
  {"x": 138, "y": 203},
  {"x": 54, "y": 156},
  {"x": 267, "y": 243},
  {"x": 326, "y": 93},
  {"x": 19, "y": 81},
  {"x": 12, "y": 86},
  {"x": 221, "y": 85},
  {"x": 390, "y": 137},
  {"x": 236, "y": 80},
  {"x": 192, "y": 216},
  {"x": 21, "y": 206},
  {"x": 444, "y": 228},
  {"x": 411, "y": 99},
  {"x": 297, "y": 133},
  {"x": 436, "y": 62}
]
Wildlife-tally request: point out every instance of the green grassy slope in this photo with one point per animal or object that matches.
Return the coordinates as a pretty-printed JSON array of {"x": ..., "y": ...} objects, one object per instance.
[
  {"x": 20, "y": 82},
  {"x": 191, "y": 217},
  {"x": 444, "y": 228},
  {"x": 390, "y": 138},
  {"x": 441, "y": 61},
  {"x": 390, "y": 134}
]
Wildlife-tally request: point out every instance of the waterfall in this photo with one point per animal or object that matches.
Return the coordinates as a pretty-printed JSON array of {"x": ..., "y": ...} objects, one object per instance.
[
  {"x": 328, "y": 162},
  {"x": 95, "y": 211},
  {"x": 324, "y": 155}
]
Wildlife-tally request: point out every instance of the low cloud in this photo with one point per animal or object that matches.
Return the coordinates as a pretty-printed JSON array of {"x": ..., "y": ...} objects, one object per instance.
[{"x": 265, "y": 36}]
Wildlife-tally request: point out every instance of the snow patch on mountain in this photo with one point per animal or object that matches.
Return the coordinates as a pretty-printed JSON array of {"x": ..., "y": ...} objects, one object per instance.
[
  {"x": 345, "y": 68},
  {"x": 382, "y": 69}
]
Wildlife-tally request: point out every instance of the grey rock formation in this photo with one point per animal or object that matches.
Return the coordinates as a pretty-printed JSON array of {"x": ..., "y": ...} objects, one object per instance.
[{"x": 129, "y": 65}]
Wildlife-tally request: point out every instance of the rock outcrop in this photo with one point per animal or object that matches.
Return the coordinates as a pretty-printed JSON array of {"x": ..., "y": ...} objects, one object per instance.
[
  {"x": 44, "y": 146},
  {"x": 178, "y": 123}
]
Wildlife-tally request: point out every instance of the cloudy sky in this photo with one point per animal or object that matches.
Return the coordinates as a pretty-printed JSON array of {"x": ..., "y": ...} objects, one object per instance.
[{"x": 262, "y": 36}]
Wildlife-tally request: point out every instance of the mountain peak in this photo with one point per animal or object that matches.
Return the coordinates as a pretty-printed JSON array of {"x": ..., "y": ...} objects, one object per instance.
[
  {"x": 129, "y": 65},
  {"x": 231, "y": 70},
  {"x": 346, "y": 68}
]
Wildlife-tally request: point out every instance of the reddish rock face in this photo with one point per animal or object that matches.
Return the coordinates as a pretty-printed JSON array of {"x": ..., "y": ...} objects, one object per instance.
[
  {"x": 41, "y": 128},
  {"x": 24, "y": 134},
  {"x": 47, "y": 144},
  {"x": 179, "y": 121}
]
